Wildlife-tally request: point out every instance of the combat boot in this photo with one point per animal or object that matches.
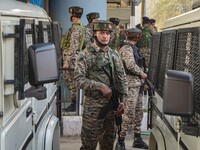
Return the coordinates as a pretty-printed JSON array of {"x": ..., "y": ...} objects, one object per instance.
[
  {"x": 138, "y": 142},
  {"x": 121, "y": 144}
]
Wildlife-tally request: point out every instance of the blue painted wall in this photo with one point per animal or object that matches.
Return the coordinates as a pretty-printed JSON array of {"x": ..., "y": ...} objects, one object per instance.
[
  {"x": 59, "y": 10},
  {"x": 37, "y": 2}
]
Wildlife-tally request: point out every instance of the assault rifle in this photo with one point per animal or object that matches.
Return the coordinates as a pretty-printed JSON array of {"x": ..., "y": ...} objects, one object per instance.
[
  {"x": 150, "y": 88},
  {"x": 114, "y": 102}
]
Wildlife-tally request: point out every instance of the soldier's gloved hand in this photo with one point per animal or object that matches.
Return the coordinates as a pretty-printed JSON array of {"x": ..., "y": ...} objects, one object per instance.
[
  {"x": 106, "y": 91},
  {"x": 120, "y": 109}
]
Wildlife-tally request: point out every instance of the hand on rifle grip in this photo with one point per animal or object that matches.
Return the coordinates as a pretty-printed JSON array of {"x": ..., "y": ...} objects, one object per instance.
[
  {"x": 143, "y": 76},
  {"x": 145, "y": 87},
  {"x": 120, "y": 109},
  {"x": 106, "y": 91}
]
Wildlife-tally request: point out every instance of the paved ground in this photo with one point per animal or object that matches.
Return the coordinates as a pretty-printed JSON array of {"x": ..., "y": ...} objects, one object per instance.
[{"x": 74, "y": 143}]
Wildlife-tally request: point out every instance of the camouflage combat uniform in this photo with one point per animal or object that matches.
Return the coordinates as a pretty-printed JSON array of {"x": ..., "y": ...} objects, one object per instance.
[
  {"x": 144, "y": 44},
  {"x": 122, "y": 38},
  {"x": 115, "y": 39},
  {"x": 71, "y": 44},
  {"x": 133, "y": 114},
  {"x": 90, "y": 76},
  {"x": 153, "y": 29},
  {"x": 91, "y": 17},
  {"x": 88, "y": 35}
]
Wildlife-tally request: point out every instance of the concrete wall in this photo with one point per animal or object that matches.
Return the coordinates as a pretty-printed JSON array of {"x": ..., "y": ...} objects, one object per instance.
[
  {"x": 59, "y": 10},
  {"x": 124, "y": 14}
]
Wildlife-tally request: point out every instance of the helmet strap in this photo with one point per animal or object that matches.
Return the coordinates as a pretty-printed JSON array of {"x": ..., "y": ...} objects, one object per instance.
[
  {"x": 99, "y": 43},
  {"x": 71, "y": 18}
]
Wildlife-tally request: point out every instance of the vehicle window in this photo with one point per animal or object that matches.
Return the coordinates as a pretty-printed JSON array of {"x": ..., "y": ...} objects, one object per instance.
[{"x": 26, "y": 38}]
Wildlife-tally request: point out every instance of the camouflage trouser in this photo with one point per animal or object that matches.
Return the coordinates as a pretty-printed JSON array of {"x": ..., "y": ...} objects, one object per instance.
[
  {"x": 96, "y": 130},
  {"x": 133, "y": 113},
  {"x": 146, "y": 53},
  {"x": 69, "y": 80}
]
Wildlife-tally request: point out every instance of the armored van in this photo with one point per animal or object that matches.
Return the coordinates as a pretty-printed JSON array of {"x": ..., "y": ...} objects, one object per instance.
[
  {"x": 28, "y": 78},
  {"x": 174, "y": 108}
]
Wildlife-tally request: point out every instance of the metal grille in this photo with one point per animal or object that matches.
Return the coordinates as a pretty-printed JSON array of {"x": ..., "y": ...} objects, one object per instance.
[
  {"x": 152, "y": 72},
  {"x": 29, "y": 40},
  {"x": 56, "y": 37},
  {"x": 45, "y": 34},
  {"x": 188, "y": 59},
  {"x": 165, "y": 58},
  {"x": 27, "y": 35}
]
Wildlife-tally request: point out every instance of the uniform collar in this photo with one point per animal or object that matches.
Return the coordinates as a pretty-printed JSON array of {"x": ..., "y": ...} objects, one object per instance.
[
  {"x": 89, "y": 25},
  {"x": 76, "y": 23},
  {"x": 98, "y": 49},
  {"x": 132, "y": 42}
]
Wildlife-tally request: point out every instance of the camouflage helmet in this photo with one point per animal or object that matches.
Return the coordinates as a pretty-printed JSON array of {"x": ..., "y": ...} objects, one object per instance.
[
  {"x": 145, "y": 19},
  {"x": 92, "y": 15},
  {"x": 102, "y": 25},
  {"x": 152, "y": 21},
  {"x": 115, "y": 21},
  {"x": 76, "y": 11},
  {"x": 133, "y": 34}
]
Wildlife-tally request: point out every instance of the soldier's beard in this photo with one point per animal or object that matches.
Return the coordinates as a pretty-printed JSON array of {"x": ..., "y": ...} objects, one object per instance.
[{"x": 99, "y": 43}]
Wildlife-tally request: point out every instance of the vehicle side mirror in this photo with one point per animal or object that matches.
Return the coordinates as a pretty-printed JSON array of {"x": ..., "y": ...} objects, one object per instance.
[
  {"x": 43, "y": 68},
  {"x": 178, "y": 93}
]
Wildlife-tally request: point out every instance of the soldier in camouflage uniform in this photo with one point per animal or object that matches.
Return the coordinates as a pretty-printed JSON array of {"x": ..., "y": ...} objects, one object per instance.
[
  {"x": 122, "y": 35},
  {"x": 115, "y": 35},
  {"x": 133, "y": 112},
  {"x": 72, "y": 42},
  {"x": 153, "y": 27},
  {"x": 91, "y": 17},
  {"x": 90, "y": 76},
  {"x": 144, "y": 44},
  {"x": 138, "y": 26}
]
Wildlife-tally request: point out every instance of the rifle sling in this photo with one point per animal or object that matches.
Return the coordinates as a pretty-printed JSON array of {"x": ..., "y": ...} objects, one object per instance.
[
  {"x": 100, "y": 78},
  {"x": 112, "y": 69}
]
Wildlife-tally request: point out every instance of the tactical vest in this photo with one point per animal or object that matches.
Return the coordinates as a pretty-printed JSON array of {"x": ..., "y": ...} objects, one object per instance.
[
  {"x": 139, "y": 58},
  {"x": 65, "y": 43},
  {"x": 95, "y": 70},
  {"x": 98, "y": 63}
]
